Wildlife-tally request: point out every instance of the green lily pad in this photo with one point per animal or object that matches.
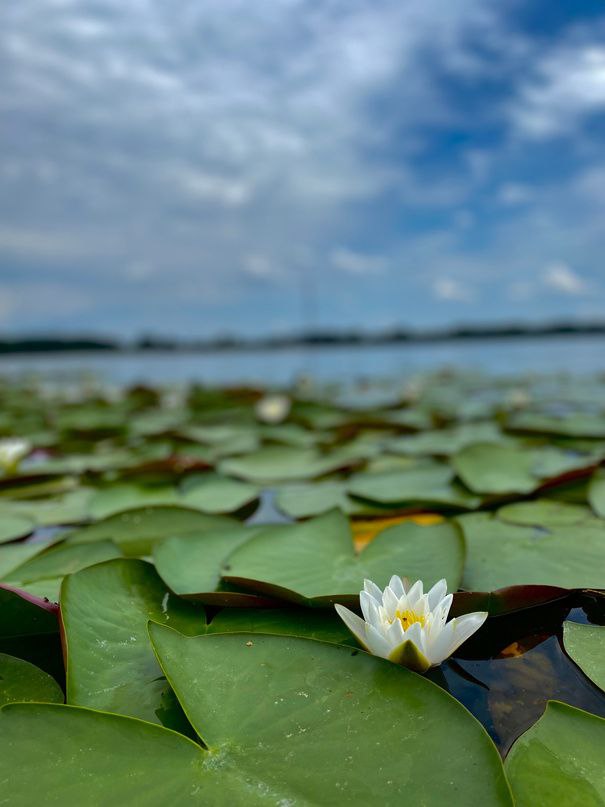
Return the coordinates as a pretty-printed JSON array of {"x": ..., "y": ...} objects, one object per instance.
[
  {"x": 213, "y": 493},
  {"x": 19, "y": 616},
  {"x": 499, "y": 469},
  {"x": 67, "y": 508},
  {"x": 445, "y": 442},
  {"x": 110, "y": 663},
  {"x": 302, "y": 721},
  {"x": 128, "y": 496},
  {"x": 571, "y": 425},
  {"x": 309, "y": 623},
  {"x": 21, "y": 681},
  {"x": 312, "y": 499},
  {"x": 14, "y": 555},
  {"x": 13, "y": 527},
  {"x": 87, "y": 757},
  {"x": 544, "y": 512},
  {"x": 500, "y": 554},
  {"x": 596, "y": 492},
  {"x": 559, "y": 760},
  {"x": 191, "y": 565},
  {"x": 428, "y": 484},
  {"x": 315, "y": 561},
  {"x": 61, "y": 560},
  {"x": 283, "y": 464},
  {"x": 586, "y": 645},
  {"x": 137, "y": 531}
]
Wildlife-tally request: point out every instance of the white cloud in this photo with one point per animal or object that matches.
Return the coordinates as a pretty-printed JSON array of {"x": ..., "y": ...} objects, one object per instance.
[
  {"x": 512, "y": 194},
  {"x": 358, "y": 263},
  {"x": 561, "y": 278},
  {"x": 447, "y": 288},
  {"x": 567, "y": 84}
]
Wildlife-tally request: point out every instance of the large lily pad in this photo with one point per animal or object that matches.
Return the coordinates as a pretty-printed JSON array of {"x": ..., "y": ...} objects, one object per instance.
[
  {"x": 284, "y": 464},
  {"x": 21, "y": 681},
  {"x": 110, "y": 663},
  {"x": 214, "y": 493},
  {"x": 308, "y": 722},
  {"x": 60, "y": 560},
  {"x": 500, "y": 554},
  {"x": 309, "y": 623},
  {"x": 137, "y": 531},
  {"x": 315, "y": 561},
  {"x": 21, "y": 615},
  {"x": 586, "y": 645},
  {"x": 444, "y": 442},
  {"x": 596, "y": 492},
  {"x": 191, "y": 565},
  {"x": 311, "y": 499},
  {"x": 499, "y": 469},
  {"x": 427, "y": 484},
  {"x": 559, "y": 760},
  {"x": 13, "y": 526}
]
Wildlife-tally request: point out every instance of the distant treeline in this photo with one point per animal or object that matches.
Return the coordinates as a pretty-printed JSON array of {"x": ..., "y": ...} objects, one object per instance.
[{"x": 60, "y": 344}]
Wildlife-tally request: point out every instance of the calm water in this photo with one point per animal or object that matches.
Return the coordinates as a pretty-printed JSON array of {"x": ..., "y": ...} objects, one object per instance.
[{"x": 576, "y": 354}]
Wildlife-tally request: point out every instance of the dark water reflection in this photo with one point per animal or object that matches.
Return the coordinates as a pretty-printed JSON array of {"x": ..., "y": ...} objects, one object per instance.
[{"x": 506, "y": 677}]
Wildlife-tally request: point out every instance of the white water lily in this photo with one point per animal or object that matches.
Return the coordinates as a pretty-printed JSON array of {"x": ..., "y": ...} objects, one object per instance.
[
  {"x": 404, "y": 625},
  {"x": 12, "y": 451},
  {"x": 273, "y": 408}
]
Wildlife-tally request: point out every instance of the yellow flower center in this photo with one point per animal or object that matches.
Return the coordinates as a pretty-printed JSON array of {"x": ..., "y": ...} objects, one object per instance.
[{"x": 408, "y": 618}]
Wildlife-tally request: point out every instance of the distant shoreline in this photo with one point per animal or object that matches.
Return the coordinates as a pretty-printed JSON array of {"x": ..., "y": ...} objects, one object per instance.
[{"x": 92, "y": 344}]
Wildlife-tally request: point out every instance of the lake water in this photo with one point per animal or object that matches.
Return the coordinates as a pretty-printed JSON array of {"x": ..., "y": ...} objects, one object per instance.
[{"x": 575, "y": 354}]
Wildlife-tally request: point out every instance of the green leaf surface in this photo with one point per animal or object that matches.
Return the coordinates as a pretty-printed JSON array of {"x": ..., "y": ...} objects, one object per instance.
[
  {"x": 137, "y": 531},
  {"x": 191, "y": 565},
  {"x": 70, "y": 756},
  {"x": 586, "y": 645},
  {"x": 559, "y": 760},
  {"x": 14, "y": 526},
  {"x": 312, "y": 499},
  {"x": 596, "y": 492},
  {"x": 500, "y": 554},
  {"x": 21, "y": 681},
  {"x": 283, "y": 464},
  {"x": 110, "y": 663},
  {"x": 295, "y": 721},
  {"x": 21, "y": 617},
  {"x": 214, "y": 493},
  {"x": 60, "y": 560},
  {"x": 498, "y": 469},
  {"x": 428, "y": 484},
  {"x": 309, "y": 623},
  {"x": 315, "y": 561}
]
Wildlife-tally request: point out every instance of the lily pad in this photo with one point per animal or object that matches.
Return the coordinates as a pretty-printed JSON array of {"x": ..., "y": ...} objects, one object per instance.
[
  {"x": 559, "y": 760},
  {"x": 312, "y": 499},
  {"x": 21, "y": 615},
  {"x": 596, "y": 492},
  {"x": 315, "y": 562},
  {"x": 543, "y": 512},
  {"x": 13, "y": 527},
  {"x": 137, "y": 531},
  {"x": 61, "y": 560},
  {"x": 499, "y": 554},
  {"x": 191, "y": 565},
  {"x": 110, "y": 663},
  {"x": 213, "y": 493},
  {"x": 429, "y": 484},
  {"x": 309, "y": 623},
  {"x": 127, "y": 496},
  {"x": 498, "y": 469},
  {"x": 306, "y": 721},
  {"x": 21, "y": 681},
  {"x": 586, "y": 645},
  {"x": 283, "y": 464},
  {"x": 445, "y": 442}
]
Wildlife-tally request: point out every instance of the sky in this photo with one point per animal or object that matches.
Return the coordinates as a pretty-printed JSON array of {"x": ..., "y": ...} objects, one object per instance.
[{"x": 208, "y": 167}]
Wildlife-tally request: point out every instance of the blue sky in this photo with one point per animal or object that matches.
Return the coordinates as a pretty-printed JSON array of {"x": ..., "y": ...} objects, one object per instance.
[{"x": 195, "y": 168}]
